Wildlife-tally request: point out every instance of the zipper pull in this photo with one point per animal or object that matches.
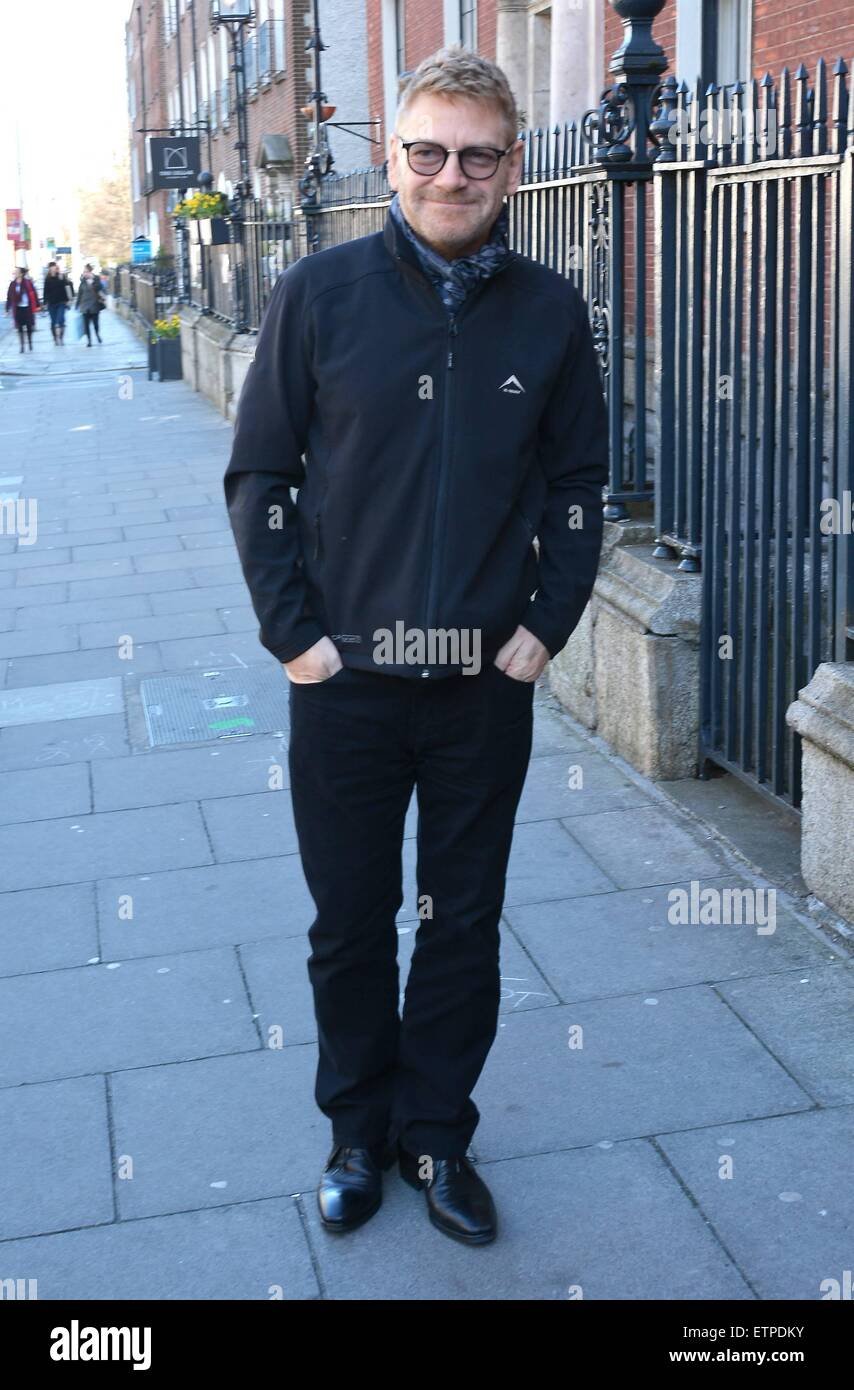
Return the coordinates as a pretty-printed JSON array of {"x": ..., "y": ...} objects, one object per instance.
[{"x": 453, "y": 333}]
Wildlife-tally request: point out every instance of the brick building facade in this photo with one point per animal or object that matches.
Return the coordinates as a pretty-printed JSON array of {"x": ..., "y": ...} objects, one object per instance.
[{"x": 180, "y": 75}]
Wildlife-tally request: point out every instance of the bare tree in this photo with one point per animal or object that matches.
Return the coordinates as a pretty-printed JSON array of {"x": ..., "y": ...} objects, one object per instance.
[{"x": 106, "y": 219}]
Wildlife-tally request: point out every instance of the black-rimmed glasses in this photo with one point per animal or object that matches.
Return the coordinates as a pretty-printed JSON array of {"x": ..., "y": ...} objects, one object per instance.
[{"x": 476, "y": 161}]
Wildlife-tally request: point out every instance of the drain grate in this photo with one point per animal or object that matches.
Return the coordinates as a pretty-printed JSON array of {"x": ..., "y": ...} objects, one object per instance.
[{"x": 198, "y": 706}]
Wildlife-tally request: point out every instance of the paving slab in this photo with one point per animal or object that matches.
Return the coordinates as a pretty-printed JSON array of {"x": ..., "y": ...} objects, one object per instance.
[
  {"x": 806, "y": 1018},
  {"x": 123, "y": 1014},
  {"x": 152, "y": 629},
  {"x": 87, "y": 611},
  {"x": 256, "y": 1250},
  {"x": 778, "y": 1192},
  {"x": 251, "y": 827},
  {"x": 577, "y": 783},
  {"x": 41, "y": 596},
  {"x": 56, "y": 1169},
  {"x": 230, "y": 649},
  {"x": 47, "y": 928},
  {"x": 192, "y": 909},
  {"x": 130, "y": 584},
  {"x": 219, "y": 1131},
  {"x": 73, "y": 849},
  {"x": 42, "y": 793},
  {"x": 39, "y": 640},
  {"x": 624, "y": 942},
  {"x": 87, "y": 664},
  {"x": 63, "y": 741},
  {"x": 221, "y": 768},
  {"x": 187, "y": 600},
  {"x": 647, "y": 846},
  {"x": 649, "y": 1063}
]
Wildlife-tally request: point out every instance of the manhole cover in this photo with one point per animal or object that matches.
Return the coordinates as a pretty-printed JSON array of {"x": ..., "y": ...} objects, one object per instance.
[{"x": 199, "y": 706}]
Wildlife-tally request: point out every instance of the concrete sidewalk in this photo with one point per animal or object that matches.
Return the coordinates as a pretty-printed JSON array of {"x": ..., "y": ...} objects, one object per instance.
[{"x": 153, "y": 920}]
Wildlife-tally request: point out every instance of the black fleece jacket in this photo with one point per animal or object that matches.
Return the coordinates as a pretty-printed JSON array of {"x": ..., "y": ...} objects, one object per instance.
[{"x": 428, "y": 451}]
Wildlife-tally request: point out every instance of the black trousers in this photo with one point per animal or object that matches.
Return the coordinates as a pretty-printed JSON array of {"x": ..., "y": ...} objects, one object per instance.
[
  {"x": 90, "y": 320},
  {"x": 359, "y": 742}
]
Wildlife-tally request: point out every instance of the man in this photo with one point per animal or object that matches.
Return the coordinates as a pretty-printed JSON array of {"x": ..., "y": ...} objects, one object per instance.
[
  {"x": 58, "y": 293},
  {"x": 446, "y": 396}
]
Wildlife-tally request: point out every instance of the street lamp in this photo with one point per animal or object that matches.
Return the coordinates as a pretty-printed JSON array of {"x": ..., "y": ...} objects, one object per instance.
[
  {"x": 319, "y": 162},
  {"x": 237, "y": 15}
]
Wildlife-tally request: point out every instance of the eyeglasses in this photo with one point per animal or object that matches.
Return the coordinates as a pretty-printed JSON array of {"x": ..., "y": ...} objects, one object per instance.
[{"x": 476, "y": 161}]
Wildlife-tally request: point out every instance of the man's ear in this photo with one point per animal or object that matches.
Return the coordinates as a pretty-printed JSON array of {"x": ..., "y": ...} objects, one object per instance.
[
  {"x": 516, "y": 160},
  {"x": 393, "y": 156}
]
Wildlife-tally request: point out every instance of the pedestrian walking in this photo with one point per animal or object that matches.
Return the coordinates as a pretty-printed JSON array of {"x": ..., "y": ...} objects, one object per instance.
[
  {"x": 90, "y": 302},
  {"x": 22, "y": 300},
  {"x": 58, "y": 294},
  {"x": 446, "y": 396}
]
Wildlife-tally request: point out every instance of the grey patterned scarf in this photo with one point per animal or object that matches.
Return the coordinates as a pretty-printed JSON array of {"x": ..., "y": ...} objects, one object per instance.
[{"x": 454, "y": 280}]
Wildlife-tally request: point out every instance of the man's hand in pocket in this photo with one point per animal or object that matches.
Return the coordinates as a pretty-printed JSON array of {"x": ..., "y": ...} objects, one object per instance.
[
  {"x": 523, "y": 657},
  {"x": 317, "y": 664}
]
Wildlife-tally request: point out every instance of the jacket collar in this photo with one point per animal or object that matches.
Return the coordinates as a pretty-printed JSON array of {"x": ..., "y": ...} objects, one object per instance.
[{"x": 399, "y": 246}]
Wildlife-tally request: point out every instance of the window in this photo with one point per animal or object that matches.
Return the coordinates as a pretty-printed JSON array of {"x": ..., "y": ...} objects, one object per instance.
[
  {"x": 211, "y": 62},
  {"x": 170, "y": 19},
  {"x": 400, "y": 34},
  {"x": 468, "y": 24},
  {"x": 250, "y": 62},
  {"x": 733, "y": 36},
  {"x": 713, "y": 41},
  {"x": 224, "y": 68},
  {"x": 280, "y": 61},
  {"x": 132, "y": 99},
  {"x": 130, "y": 37},
  {"x": 264, "y": 49}
]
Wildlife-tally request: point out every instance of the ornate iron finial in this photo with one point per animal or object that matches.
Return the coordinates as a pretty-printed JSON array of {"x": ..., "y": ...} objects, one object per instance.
[{"x": 621, "y": 123}]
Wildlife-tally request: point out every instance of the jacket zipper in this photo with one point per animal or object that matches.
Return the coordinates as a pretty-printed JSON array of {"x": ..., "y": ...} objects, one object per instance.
[
  {"x": 441, "y": 485},
  {"x": 317, "y": 540},
  {"x": 441, "y": 488},
  {"x": 439, "y": 504}
]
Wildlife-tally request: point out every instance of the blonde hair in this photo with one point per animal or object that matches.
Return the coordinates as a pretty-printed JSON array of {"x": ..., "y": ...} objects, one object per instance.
[{"x": 457, "y": 72}]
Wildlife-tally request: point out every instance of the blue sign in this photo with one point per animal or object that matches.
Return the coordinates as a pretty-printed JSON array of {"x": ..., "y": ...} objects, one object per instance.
[{"x": 140, "y": 249}]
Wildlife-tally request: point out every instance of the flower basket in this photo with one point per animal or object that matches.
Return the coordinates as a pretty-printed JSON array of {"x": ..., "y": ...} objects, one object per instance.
[
  {"x": 167, "y": 359},
  {"x": 214, "y": 231},
  {"x": 164, "y": 349}
]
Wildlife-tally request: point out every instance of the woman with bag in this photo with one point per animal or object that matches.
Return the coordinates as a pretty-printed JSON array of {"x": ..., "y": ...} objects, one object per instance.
[
  {"x": 90, "y": 302},
  {"x": 58, "y": 292},
  {"x": 22, "y": 300}
]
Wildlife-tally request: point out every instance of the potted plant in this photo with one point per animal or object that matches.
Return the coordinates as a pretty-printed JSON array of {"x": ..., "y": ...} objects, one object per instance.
[
  {"x": 205, "y": 214},
  {"x": 164, "y": 349}
]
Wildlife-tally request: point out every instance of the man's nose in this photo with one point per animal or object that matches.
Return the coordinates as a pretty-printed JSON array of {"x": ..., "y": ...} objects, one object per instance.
[{"x": 451, "y": 176}]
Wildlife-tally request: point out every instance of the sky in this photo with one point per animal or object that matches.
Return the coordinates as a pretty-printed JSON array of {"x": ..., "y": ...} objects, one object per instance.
[{"x": 69, "y": 100}]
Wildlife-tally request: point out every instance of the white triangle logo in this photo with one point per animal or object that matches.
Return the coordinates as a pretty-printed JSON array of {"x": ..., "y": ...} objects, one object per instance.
[{"x": 512, "y": 386}]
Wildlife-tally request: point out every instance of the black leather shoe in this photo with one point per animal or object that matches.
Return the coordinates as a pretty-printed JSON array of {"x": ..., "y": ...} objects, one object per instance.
[
  {"x": 350, "y": 1188},
  {"x": 459, "y": 1202}
]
